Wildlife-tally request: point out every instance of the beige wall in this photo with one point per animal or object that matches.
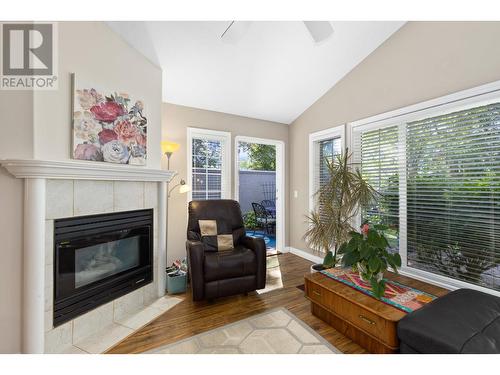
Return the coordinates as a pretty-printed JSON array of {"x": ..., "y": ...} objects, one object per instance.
[
  {"x": 97, "y": 55},
  {"x": 175, "y": 120},
  {"x": 39, "y": 125},
  {"x": 421, "y": 61},
  {"x": 16, "y": 141}
]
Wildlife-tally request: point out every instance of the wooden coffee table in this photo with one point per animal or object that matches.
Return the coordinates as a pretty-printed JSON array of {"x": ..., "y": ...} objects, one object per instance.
[{"x": 365, "y": 320}]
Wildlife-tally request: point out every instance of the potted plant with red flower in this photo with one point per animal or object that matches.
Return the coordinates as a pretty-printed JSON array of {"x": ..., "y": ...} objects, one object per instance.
[{"x": 367, "y": 253}]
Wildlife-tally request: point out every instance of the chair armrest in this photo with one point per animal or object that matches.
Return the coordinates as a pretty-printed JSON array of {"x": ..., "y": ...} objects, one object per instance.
[
  {"x": 196, "y": 254},
  {"x": 258, "y": 246}
]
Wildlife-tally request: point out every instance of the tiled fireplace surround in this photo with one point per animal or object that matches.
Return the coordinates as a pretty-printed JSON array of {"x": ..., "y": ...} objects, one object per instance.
[
  {"x": 68, "y": 189},
  {"x": 67, "y": 198}
]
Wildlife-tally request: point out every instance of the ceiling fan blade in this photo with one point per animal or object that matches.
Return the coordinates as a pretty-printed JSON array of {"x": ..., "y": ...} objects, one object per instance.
[
  {"x": 319, "y": 30},
  {"x": 235, "y": 31}
]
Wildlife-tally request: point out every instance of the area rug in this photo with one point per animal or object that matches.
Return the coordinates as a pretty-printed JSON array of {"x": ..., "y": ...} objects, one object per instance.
[
  {"x": 403, "y": 297},
  {"x": 272, "y": 262},
  {"x": 276, "y": 331}
]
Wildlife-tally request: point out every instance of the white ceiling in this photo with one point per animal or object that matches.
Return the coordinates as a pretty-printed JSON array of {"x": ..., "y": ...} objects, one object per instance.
[{"x": 273, "y": 72}]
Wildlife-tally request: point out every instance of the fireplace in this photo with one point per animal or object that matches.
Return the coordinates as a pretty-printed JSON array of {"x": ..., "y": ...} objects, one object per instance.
[{"x": 99, "y": 258}]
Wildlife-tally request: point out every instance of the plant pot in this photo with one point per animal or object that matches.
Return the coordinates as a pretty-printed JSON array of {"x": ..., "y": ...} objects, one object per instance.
[
  {"x": 176, "y": 282},
  {"x": 380, "y": 276},
  {"x": 317, "y": 268}
]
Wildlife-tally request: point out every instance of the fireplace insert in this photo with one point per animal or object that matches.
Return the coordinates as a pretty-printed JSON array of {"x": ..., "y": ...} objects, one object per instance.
[{"x": 99, "y": 258}]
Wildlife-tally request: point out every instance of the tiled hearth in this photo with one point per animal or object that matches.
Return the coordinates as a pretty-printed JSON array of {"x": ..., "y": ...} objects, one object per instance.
[
  {"x": 100, "y": 329},
  {"x": 64, "y": 189}
]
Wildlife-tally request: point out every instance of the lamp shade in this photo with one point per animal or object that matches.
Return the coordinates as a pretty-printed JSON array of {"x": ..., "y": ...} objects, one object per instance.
[
  {"x": 168, "y": 146},
  {"x": 184, "y": 188}
]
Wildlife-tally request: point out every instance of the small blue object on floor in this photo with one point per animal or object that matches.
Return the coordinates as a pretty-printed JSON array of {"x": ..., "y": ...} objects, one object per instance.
[{"x": 176, "y": 282}]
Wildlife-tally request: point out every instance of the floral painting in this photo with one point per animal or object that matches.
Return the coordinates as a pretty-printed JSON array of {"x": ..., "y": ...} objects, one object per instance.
[{"x": 108, "y": 126}]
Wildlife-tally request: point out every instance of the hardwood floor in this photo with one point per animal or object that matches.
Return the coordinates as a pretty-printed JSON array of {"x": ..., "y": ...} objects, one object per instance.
[{"x": 190, "y": 318}]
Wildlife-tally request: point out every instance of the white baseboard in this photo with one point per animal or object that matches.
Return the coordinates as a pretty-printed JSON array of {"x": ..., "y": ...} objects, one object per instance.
[{"x": 304, "y": 254}]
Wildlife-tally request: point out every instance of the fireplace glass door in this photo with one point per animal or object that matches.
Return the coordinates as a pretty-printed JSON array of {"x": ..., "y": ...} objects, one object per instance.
[
  {"x": 99, "y": 258},
  {"x": 91, "y": 260},
  {"x": 94, "y": 263}
]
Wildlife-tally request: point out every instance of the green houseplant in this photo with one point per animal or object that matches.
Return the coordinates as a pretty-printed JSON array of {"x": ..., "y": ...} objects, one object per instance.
[
  {"x": 338, "y": 203},
  {"x": 366, "y": 253},
  {"x": 249, "y": 220}
]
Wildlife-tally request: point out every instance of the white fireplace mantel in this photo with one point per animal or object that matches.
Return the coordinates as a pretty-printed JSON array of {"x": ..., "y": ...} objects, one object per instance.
[
  {"x": 83, "y": 170},
  {"x": 35, "y": 173}
]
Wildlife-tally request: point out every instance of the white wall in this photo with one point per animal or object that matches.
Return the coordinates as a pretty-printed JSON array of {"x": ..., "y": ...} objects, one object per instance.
[{"x": 39, "y": 125}]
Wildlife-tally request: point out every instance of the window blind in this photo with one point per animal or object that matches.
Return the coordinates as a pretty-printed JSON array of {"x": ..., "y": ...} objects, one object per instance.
[
  {"x": 207, "y": 159},
  {"x": 378, "y": 150},
  {"x": 453, "y": 195},
  {"x": 327, "y": 149}
]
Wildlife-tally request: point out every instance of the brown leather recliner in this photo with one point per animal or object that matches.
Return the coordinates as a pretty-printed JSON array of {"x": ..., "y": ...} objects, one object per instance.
[{"x": 223, "y": 273}]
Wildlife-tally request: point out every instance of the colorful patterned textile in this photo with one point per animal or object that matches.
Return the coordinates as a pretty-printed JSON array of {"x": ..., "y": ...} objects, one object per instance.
[
  {"x": 401, "y": 296},
  {"x": 215, "y": 237}
]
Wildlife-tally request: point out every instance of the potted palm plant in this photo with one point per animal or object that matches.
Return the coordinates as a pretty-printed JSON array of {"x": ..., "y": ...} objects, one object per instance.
[{"x": 337, "y": 203}]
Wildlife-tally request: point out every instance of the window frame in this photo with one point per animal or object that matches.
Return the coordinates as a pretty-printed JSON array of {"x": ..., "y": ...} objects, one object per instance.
[
  {"x": 474, "y": 97},
  {"x": 314, "y": 140},
  {"x": 216, "y": 135}
]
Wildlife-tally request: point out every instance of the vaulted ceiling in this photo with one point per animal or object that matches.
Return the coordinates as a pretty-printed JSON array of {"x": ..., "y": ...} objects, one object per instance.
[{"x": 271, "y": 70}]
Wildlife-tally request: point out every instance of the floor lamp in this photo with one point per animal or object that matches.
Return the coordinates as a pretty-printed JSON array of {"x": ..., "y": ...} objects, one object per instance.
[{"x": 168, "y": 148}]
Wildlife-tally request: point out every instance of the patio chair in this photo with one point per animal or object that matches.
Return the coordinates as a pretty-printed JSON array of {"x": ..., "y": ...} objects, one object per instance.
[
  {"x": 270, "y": 206},
  {"x": 264, "y": 219}
]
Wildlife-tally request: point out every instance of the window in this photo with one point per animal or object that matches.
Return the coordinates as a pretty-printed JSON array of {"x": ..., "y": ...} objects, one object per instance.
[
  {"x": 438, "y": 171},
  {"x": 328, "y": 148},
  {"x": 323, "y": 146},
  {"x": 453, "y": 192},
  {"x": 208, "y": 164},
  {"x": 379, "y": 165}
]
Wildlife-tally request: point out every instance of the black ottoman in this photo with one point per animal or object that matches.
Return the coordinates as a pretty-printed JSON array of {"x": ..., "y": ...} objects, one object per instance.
[{"x": 463, "y": 321}]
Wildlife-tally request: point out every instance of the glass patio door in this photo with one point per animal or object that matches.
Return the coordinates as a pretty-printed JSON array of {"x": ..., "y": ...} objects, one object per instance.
[{"x": 259, "y": 180}]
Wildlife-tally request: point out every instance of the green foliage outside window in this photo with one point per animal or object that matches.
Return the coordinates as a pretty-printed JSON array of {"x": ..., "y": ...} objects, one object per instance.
[{"x": 261, "y": 157}]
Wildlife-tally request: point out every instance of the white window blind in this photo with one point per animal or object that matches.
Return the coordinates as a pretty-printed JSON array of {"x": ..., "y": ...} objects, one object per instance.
[
  {"x": 326, "y": 151},
  {"x": 379, "y": 165},
  {"x": 453, "y": 188},
  {"x": 439, "y": 180}
]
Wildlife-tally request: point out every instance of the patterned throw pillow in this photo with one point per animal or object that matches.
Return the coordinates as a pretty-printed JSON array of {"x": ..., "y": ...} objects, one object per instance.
[{"x": 216, "y": 237}]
